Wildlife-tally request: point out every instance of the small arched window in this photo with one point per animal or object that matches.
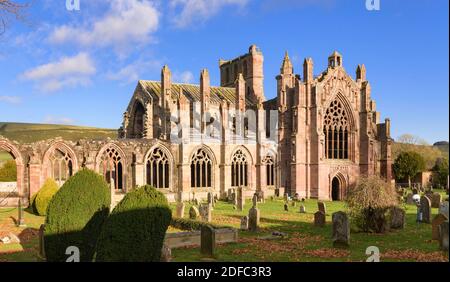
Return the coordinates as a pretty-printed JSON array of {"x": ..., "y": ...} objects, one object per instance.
[
  {"x": 61, "y": 166},
  {"x": 239, "y": 169},
  {"x": 158, "y": 167},
  {"x": 112, "y": 168},
  {"x": 201, "y": 170},
  {"x": 270, "y": 170}
]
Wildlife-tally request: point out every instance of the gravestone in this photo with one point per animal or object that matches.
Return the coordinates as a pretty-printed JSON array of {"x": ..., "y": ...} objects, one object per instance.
[
  {"x": 207, "y": 241},
  {"x": 436, "y": 200},
  {"x": 195, "y": 201},
  {"x": 397, "y": 218},
  {"x": 437, "y": 221},
  {"x": 166, "y": 254},
  {"x": 180, "y": 209},
  {"x": 296, "y": 197},
  {"x": 193, "y": 213},
  {"x": 294, "y": 203},
  {"x": 254, "y": 216},
  {"x": 41, "y": 241},
  {"x": 286, "y": 197},
  {"x": 210, "y": 200},
  {"x": 234, "y": 199},
  {"x": 302, "y": 209},
  {"x": 425, "y": 209},
  {"x": 244, "y": 223},
  {"x": 443, "y": 208},
  {"x": 341, "y": 229},
  {"x": 409, "y": 199},
  {"x": 443, "y": 233},
  {"x": 322, "y": 207},
  {"x": 260, "y": 195},
  {"x": 240, "y": 199},
  {"x": 205, "y": 213},
  {"x": 319, "y": 219},
  {"x": 286, "y": 207}
]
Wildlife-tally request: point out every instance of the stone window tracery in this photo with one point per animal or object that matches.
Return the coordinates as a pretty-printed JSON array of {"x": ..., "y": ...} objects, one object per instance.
[
  {"x": 158, "y": 169},
  {"x": 336, "y": 131},
  {"x": 201, "y": 170},
  {"x": 112, "y": 168},
  {"x": 270, "y": 170},
  {"x": 61, "y": 164},
  {"x": 239, "y": 169}
]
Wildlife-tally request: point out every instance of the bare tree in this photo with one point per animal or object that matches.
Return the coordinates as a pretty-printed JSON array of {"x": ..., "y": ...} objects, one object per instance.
[{"x": 8, "y": 9}]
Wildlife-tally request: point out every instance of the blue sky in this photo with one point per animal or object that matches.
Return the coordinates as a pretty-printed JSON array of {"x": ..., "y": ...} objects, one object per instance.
[{"x": 81, "y": 67}]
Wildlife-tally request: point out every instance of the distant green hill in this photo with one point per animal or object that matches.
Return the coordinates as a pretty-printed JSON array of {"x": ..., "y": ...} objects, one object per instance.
[{"x": 31, "y": 132}]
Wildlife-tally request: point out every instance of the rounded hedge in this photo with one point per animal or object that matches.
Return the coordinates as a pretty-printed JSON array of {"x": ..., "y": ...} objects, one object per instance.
[
  {"x": 75, "y": 216},
  {"x": 136, "y": 228},
  {"x": 33, "y": 203},
  {"x": 43, "y": 197}
]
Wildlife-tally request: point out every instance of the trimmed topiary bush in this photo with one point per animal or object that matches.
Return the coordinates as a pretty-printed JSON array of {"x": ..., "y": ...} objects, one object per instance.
[
  {"x": 136, "y": 228},
  {"x": 75, "y": 216},
  {"x": 43, "y": 197},
  {"x": 33, "y": 203}
]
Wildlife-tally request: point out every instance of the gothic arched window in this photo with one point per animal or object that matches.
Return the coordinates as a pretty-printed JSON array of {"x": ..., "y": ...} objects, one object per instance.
[
  {"x": 336, "y": 131},
  {"x": 239, "y": 169},
  {"x": 270, "y": 170},
  {"x": 201, "y": 170},
  {"x": 158, "y": 169},
  {"x": 112, "y": 168},
  {"x": 61, "y": 166}
]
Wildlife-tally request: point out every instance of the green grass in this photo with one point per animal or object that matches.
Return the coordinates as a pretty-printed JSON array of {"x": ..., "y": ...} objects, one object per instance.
[
  {"x": 304, "y": 243},
  {"x": 29, "y": 132}
]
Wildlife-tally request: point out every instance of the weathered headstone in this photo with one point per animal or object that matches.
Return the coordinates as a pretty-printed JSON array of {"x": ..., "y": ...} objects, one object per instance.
[
  {"x": 211, "y": 200},
  {"x": 302, "y": 209},
  {"x": 193, "y": 213},
  {"x": 207, "y": 241},
  {"x": 286, "y": 207},
  {"x": 294, "y": 203},
  {"x": 397, "y": 218},
  {"x": 205, "y": 213},
  {"x": 166, "y": 254},
  {"x": 296, "y": 197},
  {"x": 443, "y": 233},
  {"x": 437, "y": 221},
  {"x": 409, "y": 199},
  {"x": 41, "y": 241},
  {"x": 196, "y": 201},
  {"x": 260, "y": 195},
  {"x": 319, "y": 219},
  {"x": 180, "y": 209},
  {"x": 341, "y": 229},
  {"x": 425, "y": 209},
  {"x": 240, "y": 199},
  {"x": 253, "y": 219},
  {"x": 322, "y": 207},
  {"x": 286, "y": 197},
  {"x": 244, "y": 223},
  {"x": 234, "y": 199},
  {"x": 436, "y": 200},
  {"x": 443, "y": 208}
]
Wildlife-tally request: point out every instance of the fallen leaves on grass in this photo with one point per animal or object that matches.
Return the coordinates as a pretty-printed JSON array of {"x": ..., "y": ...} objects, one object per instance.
[
  {"x": 328, "y": 253},
  {"x": 414, "y": 255}
]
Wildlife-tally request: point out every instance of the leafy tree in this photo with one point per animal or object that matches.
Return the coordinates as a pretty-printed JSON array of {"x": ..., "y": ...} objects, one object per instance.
[
  {"x": 441, "y": 169},
  {"x": 369, "y": 202},
  {"x": 407, "y": 165},
  {"x": 43, "y": 197},
  {"x": 8, "y": 173}
]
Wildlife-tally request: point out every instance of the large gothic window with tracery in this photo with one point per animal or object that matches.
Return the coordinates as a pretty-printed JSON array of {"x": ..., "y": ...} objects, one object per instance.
[
  {"x": 112, "y": 168},
  {"x": 336, "y": 131},
  {"x": 61, "y": 166},
  {"x": 158, "y": 169},
  {"x": 270, "y": 170},
  {"x": 239, "y": 169},
  {"x": 201, "y": 170}
]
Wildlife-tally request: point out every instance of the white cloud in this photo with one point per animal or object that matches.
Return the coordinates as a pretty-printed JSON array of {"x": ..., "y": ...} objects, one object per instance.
[
  {"x": 68, "y": 71},
  {"x": 127, "y": 23},
  {"x": 11, "y": 99},
  {"x": 191, "y": 11},
  {"x": 133, "y": 72},
  {"x": 58, "y": 120},
  {"x": 183, "y": 77}
]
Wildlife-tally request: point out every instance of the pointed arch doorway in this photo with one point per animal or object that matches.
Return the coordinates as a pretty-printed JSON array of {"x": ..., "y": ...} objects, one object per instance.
[{"x": 336, "y": 189}]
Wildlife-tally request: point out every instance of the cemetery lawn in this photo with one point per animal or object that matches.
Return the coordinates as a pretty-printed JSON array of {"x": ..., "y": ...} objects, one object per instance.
[{"x": 304, "y": 241}]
